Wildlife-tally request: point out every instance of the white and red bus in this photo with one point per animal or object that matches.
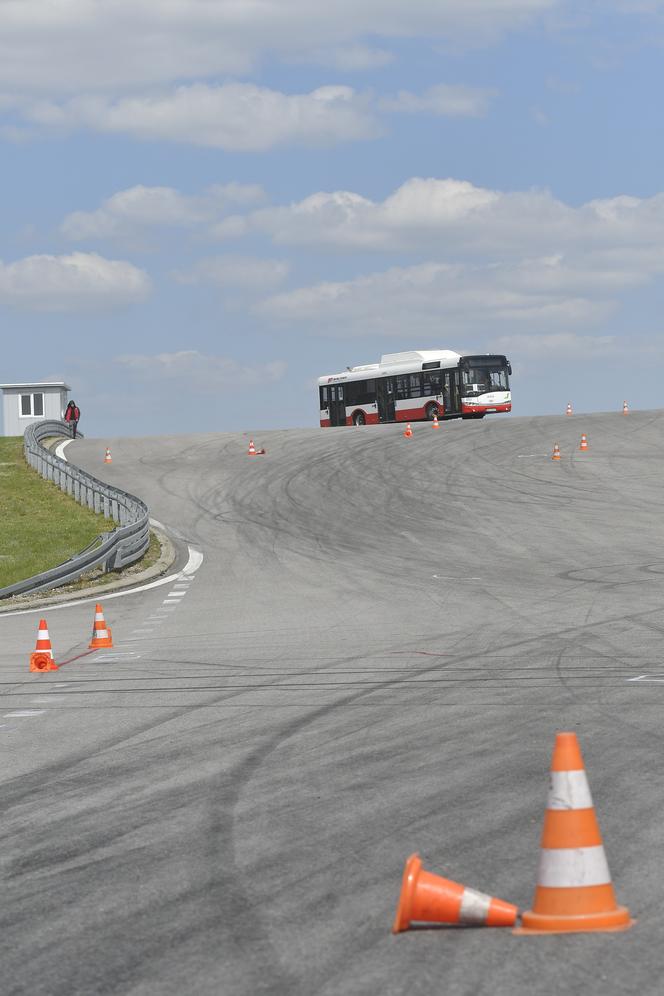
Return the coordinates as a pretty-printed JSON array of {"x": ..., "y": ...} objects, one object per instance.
[{"x": 407, "y": 387}]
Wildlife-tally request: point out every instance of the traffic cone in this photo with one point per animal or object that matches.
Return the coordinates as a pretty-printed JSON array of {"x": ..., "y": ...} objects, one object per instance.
[
  {"x": 435, "y": 421},
  {"x": 252, "y": 449},
  {"x": 625, "y": 408},
  {"x": 432, "y": 899},
  {"x": 568, "y": 410},
  {"x": 101, "y": 633},
  {"x": 408, "y": 431},
  {"x": 107, "y": 456},
  {"x": 574, "y": 891},
  {"x": 42, "y": 658},
  {"x": 584, "y": 442},
  {"x": 556, "y": 452}
]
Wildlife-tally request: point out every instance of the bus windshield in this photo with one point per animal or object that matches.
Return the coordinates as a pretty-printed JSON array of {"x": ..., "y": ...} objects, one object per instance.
[{"x": 477, "y": 380}]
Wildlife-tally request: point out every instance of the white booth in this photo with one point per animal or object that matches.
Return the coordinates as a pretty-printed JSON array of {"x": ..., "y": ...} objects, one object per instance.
[{"x": 23, "y": 404}]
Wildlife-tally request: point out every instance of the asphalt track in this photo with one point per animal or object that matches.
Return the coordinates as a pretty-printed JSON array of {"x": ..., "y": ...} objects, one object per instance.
[{"x": 373, "y": 659}]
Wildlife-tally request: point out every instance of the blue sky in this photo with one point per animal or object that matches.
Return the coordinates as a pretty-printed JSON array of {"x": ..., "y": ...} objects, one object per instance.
[{"x": 206, "y": 205}]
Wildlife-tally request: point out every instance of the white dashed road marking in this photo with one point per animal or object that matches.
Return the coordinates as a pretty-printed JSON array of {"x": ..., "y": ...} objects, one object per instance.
[{"x": 23, "y": 713}]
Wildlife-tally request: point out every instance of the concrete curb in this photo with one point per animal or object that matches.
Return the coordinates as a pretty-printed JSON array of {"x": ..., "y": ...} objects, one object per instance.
[{"x": 127, "y": 579}]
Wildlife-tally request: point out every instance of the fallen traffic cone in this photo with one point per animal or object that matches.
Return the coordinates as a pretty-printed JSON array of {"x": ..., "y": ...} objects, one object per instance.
[
  {"x": 107, "y": 456},
  {"x": 556, "y": 452},
  {"x": 42, "y": 658},
  {"x": 252, "y": 449},
  {"x": 574, "y": 891},
  {"x": 101, "y": 634},
  {"x": 432, "y": 899},
  {"x": 568, "y": 410},
  {"x": 625, "y": 408},
  {"x": 435, "y": 422},
  {"x": 584, "y": 442},
  {"x": 408, "y": 431}
]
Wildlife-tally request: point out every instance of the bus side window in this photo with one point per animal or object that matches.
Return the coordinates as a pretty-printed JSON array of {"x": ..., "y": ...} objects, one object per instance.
[
  {"x": 402, "y": 387},
  {"x": 323, "y": 398},
  {"x": 415, "y": 385},
  {"x": 340, "y": 393}
]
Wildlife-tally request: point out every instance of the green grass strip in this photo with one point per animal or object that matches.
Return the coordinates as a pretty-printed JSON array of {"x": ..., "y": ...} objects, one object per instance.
[{"x": 40, "y": 526}]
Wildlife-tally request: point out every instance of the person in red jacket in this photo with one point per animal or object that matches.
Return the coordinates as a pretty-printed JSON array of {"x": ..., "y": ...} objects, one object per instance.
[{"x": 72, "y": 415}]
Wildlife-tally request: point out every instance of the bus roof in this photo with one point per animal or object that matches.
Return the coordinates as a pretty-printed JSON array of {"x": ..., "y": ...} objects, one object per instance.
[{"x": 407, "y": 362}]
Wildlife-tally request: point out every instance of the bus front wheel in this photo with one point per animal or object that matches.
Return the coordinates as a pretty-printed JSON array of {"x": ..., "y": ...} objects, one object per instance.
[{"x": 431, "y": 410}]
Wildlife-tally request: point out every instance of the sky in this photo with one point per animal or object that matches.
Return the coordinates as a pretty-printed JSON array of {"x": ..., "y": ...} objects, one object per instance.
[{"x": 208, "y": 204}]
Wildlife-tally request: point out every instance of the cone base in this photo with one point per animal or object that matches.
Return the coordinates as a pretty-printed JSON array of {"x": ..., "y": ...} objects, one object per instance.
[
  {"x": 408, "y": 882},
  {"x": 41, "y": 662},
  {"x": 544, "y": 923}
]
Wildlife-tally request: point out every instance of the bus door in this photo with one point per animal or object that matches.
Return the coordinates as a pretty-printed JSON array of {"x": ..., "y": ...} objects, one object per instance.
[
  {"x": 451, "y": 398},
  {"x": 337, "y": 405},
  {"x": 385, "y": 398}
]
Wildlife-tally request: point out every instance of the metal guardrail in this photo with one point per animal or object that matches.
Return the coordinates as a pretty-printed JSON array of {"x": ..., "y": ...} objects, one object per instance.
[{"x": 112, "y": 550}]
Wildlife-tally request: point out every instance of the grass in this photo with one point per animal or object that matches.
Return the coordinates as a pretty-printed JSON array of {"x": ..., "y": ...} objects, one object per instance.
[{"x": 40, "y": 526}]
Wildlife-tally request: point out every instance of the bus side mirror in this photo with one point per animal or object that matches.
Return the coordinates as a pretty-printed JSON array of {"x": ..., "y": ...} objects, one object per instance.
[{"x": 509, "y": 369}]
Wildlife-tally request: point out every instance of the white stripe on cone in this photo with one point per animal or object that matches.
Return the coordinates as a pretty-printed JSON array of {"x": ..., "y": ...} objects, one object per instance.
[
  {"x": 569, "y": 790},
  {"x": 571, "y": 867},
  {"x": 42, "y": 634},
  {"x": 474, "y": 906}
]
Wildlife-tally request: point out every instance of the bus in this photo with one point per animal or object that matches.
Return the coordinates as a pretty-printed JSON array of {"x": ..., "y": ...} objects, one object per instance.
[{"x": 416, "y": 385}]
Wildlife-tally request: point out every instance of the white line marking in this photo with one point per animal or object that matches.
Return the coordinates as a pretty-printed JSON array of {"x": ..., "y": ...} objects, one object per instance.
[
  {"x": 194, "y": 562},
  {"x": 522, "y": 456},
  {"x": 651, "y": 679},
  {"x": 176, "y": 594},
  {"x": 60, "y": 449},
  {"x": 22, "y": 713},
  {"x": 195, "y": 557},
  {"x": 50, "y": 698},
  {"x": 445, "y": 577}
]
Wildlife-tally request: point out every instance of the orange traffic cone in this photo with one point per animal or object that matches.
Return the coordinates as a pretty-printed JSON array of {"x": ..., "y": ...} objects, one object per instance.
[
  {"x": 107, "y": 456},
  {"x": 574, "y": 891},
  {"x": 568, "y": 410},
  {"x": 101, "y": 633},
  {"x": 625, "y": 408},
  {"x": 435, "y": 421},
  {"x": 252, "y": 449},
  {"x": 556, "y": 452},
  {"x": 408, "y": 431},
  {"x": 432, "y": 899},
  {"x": 42, "y": 658},
  {"x": 584, "y": 442}
]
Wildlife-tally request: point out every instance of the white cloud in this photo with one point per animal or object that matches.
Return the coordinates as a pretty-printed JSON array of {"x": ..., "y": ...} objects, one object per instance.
[
  {"x": 191, "y": 370},
  {"x": 444, "y": 99},
  {"x": 130, "y": 211},
  {"x": 348, "y": 58},
  {"x": 76, "y": 45},
  {"x": 232, "y": 116},
  {"x": 417, "y": 302},
  {"x": 236, "y": 273},
  {"x": 79, "y": 282},
  {"x": 557, "y": 344},
  {"x": 449, "y": 218}
]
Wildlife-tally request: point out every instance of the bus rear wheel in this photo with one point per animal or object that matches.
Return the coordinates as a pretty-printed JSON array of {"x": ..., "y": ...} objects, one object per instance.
[
  {"x": 359, "y": 418},
  {"x": 430, "y": 411}
]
